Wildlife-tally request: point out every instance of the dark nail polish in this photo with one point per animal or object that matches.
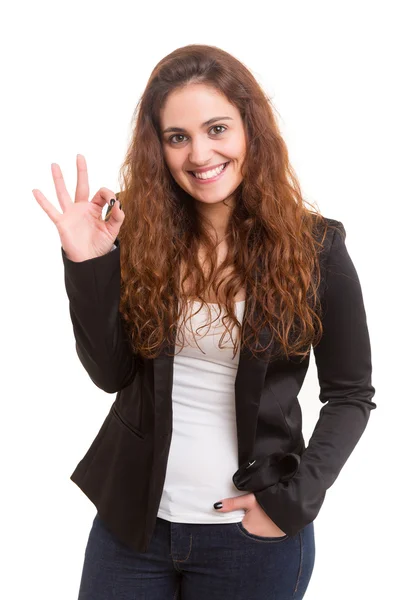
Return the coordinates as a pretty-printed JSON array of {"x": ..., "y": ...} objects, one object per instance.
[
  {"x": 218, "y": 505},
  {"x": 112, "y": 202}
]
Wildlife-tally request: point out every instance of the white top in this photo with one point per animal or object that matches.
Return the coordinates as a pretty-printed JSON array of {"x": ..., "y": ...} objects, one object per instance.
[{"x": 203, "y": 453}]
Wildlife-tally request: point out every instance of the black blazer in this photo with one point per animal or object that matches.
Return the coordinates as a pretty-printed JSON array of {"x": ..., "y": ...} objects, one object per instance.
[{"x": 123, "y": 471}]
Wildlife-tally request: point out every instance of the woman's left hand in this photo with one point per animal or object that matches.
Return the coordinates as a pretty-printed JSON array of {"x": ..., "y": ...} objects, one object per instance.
[{"x": 256, "y": 521}]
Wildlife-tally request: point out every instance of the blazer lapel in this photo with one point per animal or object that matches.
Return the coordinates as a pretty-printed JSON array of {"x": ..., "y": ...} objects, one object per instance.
[{"x": 249, "y": 385}]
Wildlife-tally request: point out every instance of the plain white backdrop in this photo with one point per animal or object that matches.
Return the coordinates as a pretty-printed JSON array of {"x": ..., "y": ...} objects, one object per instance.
[{"x": 72, "y": 74}]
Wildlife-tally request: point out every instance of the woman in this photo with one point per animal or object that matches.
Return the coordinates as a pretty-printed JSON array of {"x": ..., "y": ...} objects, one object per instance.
[{"x": 201, "y": 479}]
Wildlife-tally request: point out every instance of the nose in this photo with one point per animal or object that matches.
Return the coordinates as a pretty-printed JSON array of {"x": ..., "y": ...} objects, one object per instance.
[{"x": 200, "y": 154}]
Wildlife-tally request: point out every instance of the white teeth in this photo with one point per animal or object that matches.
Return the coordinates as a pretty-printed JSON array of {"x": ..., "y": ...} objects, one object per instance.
[{"x": 209, "y": 174}]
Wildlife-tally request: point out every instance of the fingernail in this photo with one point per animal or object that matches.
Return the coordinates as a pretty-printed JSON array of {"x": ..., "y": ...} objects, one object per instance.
[
  {"x": 112, "y": 202},
  {"x": 218, "y": 505}
]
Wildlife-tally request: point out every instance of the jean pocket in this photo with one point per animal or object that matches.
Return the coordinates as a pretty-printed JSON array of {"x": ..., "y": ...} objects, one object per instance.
[{"x": 260, "y": 538}]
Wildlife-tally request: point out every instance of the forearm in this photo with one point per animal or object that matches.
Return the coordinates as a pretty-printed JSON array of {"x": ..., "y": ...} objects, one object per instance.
[{"x": 102, "y": 345}]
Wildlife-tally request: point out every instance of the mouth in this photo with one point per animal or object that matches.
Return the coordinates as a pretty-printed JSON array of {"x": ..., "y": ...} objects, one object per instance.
[{"x": 202, "y": 180}]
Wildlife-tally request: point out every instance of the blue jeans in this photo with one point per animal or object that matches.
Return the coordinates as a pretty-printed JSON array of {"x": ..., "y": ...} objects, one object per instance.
[{"x": 191, "y": 561}]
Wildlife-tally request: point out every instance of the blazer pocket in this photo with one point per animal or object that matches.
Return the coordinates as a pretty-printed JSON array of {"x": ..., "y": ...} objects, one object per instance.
[
  {"x": 114, "y": 474},
  {"x": 127, "y": 407},
  {"x": 122, "y": 420}
]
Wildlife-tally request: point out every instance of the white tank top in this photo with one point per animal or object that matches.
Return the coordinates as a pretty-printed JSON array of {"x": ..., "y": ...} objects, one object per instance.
[{"x": 203, "y": 452}]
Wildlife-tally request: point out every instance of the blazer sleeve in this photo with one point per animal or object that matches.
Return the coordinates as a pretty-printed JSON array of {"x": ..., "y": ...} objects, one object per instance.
[
  {"x": 102, "y": 344},
  {"x": 343, "y": 360}
]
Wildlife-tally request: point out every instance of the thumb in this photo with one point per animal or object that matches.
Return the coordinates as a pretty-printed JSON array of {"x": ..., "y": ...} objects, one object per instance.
[
  {"x": 114, "y": 218},
  {"x": 236, "y": 503}
]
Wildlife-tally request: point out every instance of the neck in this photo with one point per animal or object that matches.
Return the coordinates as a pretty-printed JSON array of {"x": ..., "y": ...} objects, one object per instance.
[{"x": 216, "y": 217}]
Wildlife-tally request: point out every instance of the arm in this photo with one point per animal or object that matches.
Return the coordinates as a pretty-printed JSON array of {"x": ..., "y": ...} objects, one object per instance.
[
  {"x": 102, "y": 345},
  {"x": 343, "y": 360}
]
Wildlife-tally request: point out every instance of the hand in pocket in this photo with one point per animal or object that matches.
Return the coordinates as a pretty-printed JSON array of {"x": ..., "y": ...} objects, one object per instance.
[{"x": 255, "y": 521}]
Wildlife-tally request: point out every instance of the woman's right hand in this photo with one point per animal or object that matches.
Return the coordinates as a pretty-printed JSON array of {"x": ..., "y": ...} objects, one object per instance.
[{"x": 84, "y": 234}]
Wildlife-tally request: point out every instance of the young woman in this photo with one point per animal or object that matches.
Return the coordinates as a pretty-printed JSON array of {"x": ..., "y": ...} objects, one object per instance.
[{"x": 202, "y": 482}]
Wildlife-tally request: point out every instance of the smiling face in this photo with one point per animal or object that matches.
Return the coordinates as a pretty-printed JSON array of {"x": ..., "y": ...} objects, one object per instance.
[{"x": 201, "y": 131}]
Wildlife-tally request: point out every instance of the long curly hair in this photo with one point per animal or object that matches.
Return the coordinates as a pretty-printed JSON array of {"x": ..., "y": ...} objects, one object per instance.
[{"x": 273, "y": 239}]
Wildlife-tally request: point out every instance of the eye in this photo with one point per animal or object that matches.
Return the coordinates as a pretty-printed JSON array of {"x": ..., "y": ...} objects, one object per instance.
[
  {"x": 174, "y": 136},
  {"x": 223, "y": 127},
  {"x": 180, "y": 135}
]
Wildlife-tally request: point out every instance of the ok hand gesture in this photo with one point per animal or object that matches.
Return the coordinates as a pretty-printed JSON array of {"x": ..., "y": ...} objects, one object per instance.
[{"x": 84, "y": 234}]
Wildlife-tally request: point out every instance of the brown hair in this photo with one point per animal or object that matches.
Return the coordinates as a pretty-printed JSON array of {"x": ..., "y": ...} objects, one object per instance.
[{"x": 272, "y": 241}]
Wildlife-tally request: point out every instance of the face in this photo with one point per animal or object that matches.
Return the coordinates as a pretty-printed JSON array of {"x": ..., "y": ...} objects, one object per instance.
[{"x": 201, "y": 132}]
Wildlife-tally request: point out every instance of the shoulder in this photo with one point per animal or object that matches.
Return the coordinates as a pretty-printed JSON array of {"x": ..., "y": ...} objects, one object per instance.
[
  {"x": 327, "y": 231},
  {"x": 321, "y": 221},
  {"x": 330, "y": 236}
]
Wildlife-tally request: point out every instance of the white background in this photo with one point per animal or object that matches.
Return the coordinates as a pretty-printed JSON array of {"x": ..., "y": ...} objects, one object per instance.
[{"x": 72, "y": 73}]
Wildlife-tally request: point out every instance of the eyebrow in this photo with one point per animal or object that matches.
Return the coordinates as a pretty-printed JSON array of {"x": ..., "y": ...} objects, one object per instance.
[{"x": 209, "y": 122}]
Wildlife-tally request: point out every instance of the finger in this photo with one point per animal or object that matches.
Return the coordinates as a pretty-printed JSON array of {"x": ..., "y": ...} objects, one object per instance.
[
  {"x": 115, "y": 218},
  {"x": 61, "y": 191},
  {"x": 109, "y": 208},
  {"x": 242, "y": 502},
  {"x": 82, "y": 186},
  {"x": 103, "y": 197},
  {"x": 48, "y": 208}
]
